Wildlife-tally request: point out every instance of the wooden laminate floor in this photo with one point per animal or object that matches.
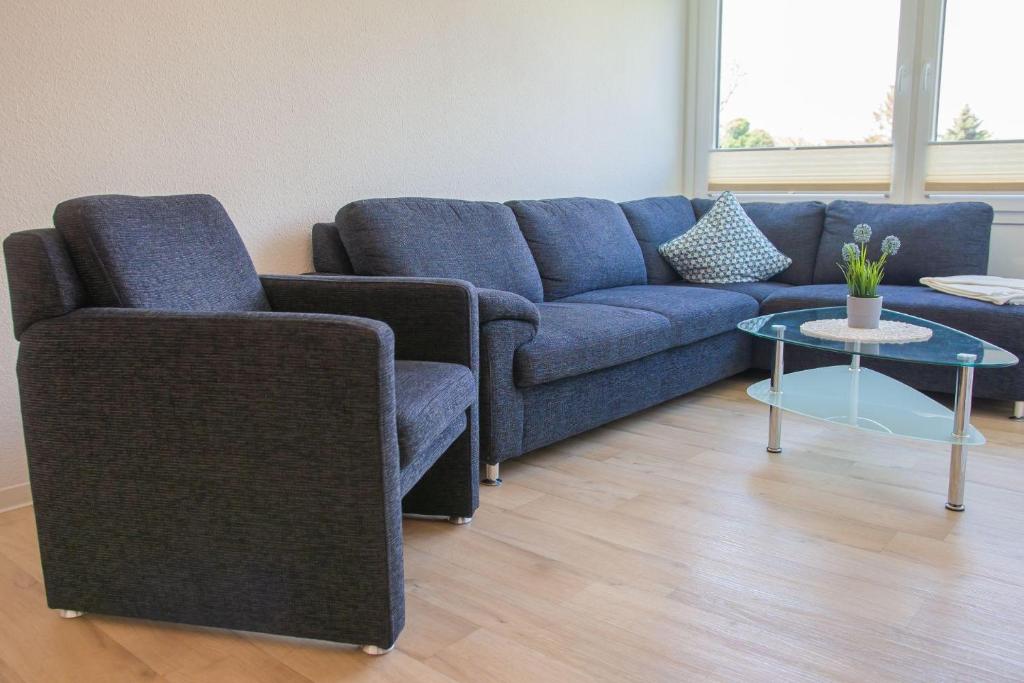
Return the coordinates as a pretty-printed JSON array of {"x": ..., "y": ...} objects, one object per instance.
[{"x": 667, "y": 546}]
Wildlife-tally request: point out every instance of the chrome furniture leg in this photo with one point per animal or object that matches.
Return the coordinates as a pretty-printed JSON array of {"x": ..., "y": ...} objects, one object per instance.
[
  {"x": 774, "y": 412},
  {"x": 961, "y": 424},
  {"x": 459, "y": 521},
  {"x": 69, "y": 613},
  {"x": 375, "y": 651},
  {"x": 491, "y": 477},
  {"x": 1018, "y": 410}
]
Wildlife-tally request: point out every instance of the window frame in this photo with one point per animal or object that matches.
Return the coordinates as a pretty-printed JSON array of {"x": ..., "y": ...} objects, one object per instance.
[{"x": 918, "y": 62}]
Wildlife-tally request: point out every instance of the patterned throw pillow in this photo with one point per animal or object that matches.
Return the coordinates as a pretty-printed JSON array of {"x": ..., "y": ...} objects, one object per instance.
[{"x": 724, "y": 246}]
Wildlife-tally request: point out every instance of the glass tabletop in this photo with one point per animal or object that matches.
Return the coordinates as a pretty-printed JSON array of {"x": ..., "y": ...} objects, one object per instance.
[{"x": 945, "y": 347}]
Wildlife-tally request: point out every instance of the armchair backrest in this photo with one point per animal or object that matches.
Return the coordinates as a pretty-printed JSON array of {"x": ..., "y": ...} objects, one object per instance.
[{"x": 179, "y": 253}]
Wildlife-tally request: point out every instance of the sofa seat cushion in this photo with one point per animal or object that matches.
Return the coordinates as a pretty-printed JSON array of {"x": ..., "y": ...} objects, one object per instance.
[
  {"x": 694, "y": 313},
  {"x": 793, "y": 227},
  {"x": 937, "y": 239},
  {"x": 429, "y": 398},
  {"x": 580, "y": 244},
  {"x": 420, "y": 237},
  {"x": 758, "y": 290},
  {"x": 574, "y": 339},
  {"x": 999, "y": 325}
]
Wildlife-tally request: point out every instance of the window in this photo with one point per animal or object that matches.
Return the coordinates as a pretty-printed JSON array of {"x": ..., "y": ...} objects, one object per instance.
[
  {"x": 980, "y": 97},
  {"x": 820, "y": 100},
  {"x": 776, "y": 62},
  {"x": 905, "y": 99},
  {"x": 977, "y": 141}
]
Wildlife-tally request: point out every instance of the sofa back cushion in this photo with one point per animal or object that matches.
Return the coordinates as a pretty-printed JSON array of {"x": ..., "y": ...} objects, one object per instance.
[
  {"x": 657, "y": 220},
  {"x": 793, "y": 227},
  {"x": 420, "y": 237},
  {"x": 329, "y": 255},
  {"x": 177, "y": 253},
  {"x": 580, "y": 244},
  {"x": 937, "y": 239}
]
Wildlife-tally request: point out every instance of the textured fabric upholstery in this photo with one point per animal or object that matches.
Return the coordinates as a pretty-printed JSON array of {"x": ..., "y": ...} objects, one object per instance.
[
  {"x": 938, "y": 239},
  {"x": 693, "y": 313},
  {"x": 560, "y": 409},
  {"x": 221, "y": 462},
  {"x": 475, "y": 241},
  {"x": 47, "y": 284},
  {"x": 433, "y": 319},
  {"x": 657, "y": 220},
  {"x": 224, "y": 459},
  {"x": 580, "y": 244},
  {"x": 793, "y": 227},
  {"x": 999, "y": 325},
  {"x": 501, "y": 402},
  {"x": 724, "y": 247},
  {"x": 498, "y": 305},
  {"x": 329, "y": 255},
  {"x": 176, "y": 253},
  {"x": 426, "y": 480},
  {"x": 574, "y": 339},
  {"x": 759, "y": 290},
  {"x": 429, "y": 398}
]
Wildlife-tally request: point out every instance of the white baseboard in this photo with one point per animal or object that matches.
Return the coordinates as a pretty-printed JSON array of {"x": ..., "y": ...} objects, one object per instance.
[{"x": 15, "y": 496}]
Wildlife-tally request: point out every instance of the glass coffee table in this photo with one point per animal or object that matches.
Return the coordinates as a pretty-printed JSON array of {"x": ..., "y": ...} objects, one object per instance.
[{"x": 869, "y": 400}]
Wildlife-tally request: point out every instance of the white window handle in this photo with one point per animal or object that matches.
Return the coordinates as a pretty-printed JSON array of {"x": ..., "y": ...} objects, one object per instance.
[
  {"x": 926, "y": 78},
  {"x": 901, "y": 79}
]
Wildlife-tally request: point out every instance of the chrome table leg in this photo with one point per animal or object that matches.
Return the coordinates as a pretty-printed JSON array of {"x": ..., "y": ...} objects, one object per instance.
[
  {"x": 774, "y": 412},
  {"x": 961, "y": 425}
]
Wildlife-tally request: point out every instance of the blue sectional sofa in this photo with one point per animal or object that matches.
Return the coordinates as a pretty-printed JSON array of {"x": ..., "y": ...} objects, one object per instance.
[{"x": 582, "y": 320}]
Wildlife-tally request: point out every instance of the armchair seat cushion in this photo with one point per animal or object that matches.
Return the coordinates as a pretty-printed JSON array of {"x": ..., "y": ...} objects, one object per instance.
[
  {"x": 429, "y": 398},
  {"x": 693, "y": 313},
  {"x": 574, "y": 339}
]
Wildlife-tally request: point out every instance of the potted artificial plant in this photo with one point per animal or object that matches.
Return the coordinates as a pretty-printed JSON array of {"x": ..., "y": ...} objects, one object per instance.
[{"x": 863, "y": 304}]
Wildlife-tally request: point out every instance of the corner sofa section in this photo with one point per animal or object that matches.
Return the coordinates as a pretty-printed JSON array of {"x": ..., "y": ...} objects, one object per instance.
[
  {"x": 571, "y": 336},
  {"x": 583, "y": 322}
]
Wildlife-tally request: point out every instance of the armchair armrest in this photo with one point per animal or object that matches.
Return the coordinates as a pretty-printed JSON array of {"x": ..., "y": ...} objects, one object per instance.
[
  {"x": 496, "y": 304},
  {"x": 433, "y": 319},
  {"x": 168, "y": 447},
  {"x": 278, "y": 372}
]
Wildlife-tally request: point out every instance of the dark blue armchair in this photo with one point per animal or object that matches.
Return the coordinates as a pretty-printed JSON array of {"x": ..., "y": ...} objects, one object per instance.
[{"x": 208, "y": 446}]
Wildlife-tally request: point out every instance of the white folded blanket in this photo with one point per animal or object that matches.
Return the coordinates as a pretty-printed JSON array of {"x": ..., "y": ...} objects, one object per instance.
[{"x": 996, "y": 290}]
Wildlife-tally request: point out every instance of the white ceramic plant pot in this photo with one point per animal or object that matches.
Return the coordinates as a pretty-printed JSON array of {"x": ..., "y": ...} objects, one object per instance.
[{"x": 863, "y": 312}]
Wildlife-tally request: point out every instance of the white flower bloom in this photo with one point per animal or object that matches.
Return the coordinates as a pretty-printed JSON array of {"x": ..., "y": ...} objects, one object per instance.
[{"x": 862, "y": 233}]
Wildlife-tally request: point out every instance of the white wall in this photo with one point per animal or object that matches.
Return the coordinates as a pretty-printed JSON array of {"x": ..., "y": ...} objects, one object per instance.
[
  {"x": 288, "y": 110},
  {"x": 1006, "y": 256}
]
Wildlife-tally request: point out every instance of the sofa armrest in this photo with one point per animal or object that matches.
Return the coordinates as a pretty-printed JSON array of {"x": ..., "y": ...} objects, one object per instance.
[
  {"x": 433, "y": 319},
  {"x": 496, "y": 304}
]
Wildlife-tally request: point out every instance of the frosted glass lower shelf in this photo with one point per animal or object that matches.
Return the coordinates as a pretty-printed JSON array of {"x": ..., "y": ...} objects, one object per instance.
[{"x": 865, "y": 400}]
